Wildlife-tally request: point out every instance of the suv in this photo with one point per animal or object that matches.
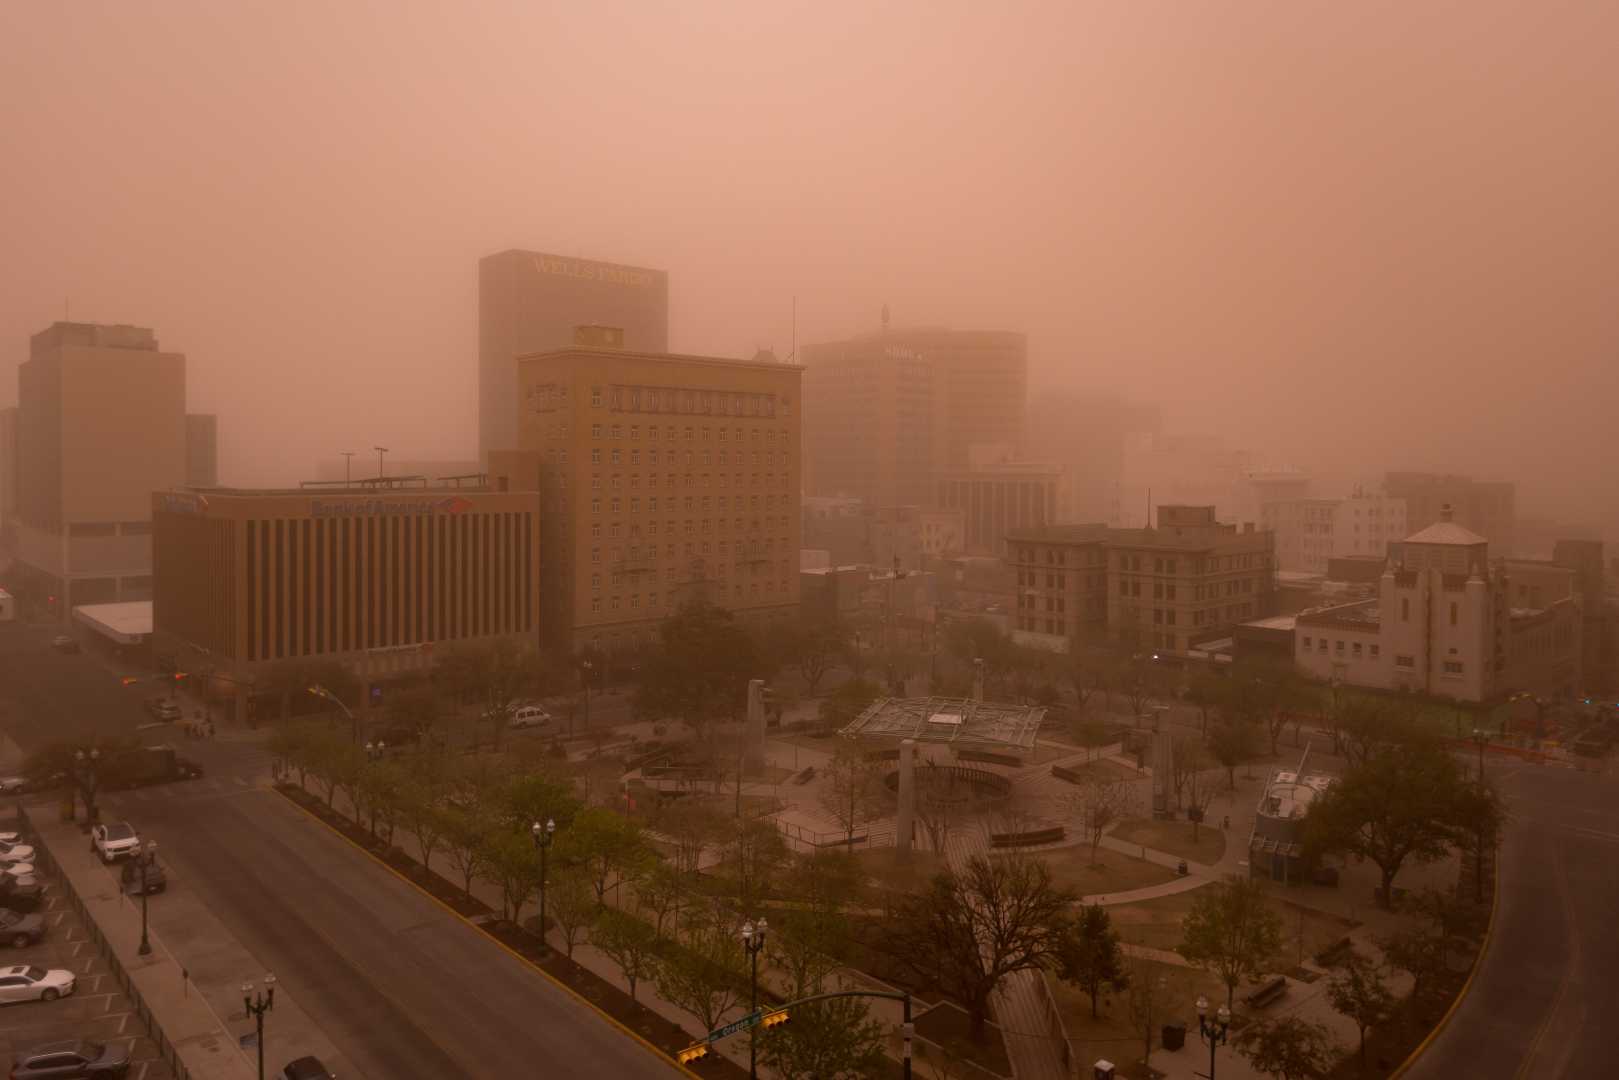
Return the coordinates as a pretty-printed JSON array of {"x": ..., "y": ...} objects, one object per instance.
[
  {"x": 75, "y": 1059},
  {"x": 17, "y": 895},
  {"x": 529, "y": 716},
  {"x": 162, "y": 708},
  {"x": 114, "y": 840},
  {"x": 21, "y": 930}
]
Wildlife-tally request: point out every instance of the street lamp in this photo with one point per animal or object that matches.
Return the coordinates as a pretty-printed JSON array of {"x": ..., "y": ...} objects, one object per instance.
[
  {"x": 585, "y": 667},
  {"x": 374, "y": 751},
  {"x": 326, "y": 695},
  {"x": 256, "y": 1005},
  {"x": 1212, "y": 1031},
  {"x": 542, "y": 841},
  {"x": 1481, "y": 738},
  {"x": 144, "y": 859},
  {"x": 753, "y": 939}
]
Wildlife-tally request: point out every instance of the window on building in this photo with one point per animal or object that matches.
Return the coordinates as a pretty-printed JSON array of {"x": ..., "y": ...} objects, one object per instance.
[
  {"x": 1374, "y": 651},
  {"x": 595, "y": 397},
  {"x": 1453, "y": 613},
  {"x": 1338, "y": 646},
  {"x": 1453, "y": 667},
  {"x": 1407, "y": 662},
  {"x": 595, "y": 455},
  {"x": 1405, "y": 609},
  {"x": 1306, "y": 644},
  {"x": 1355, "y": 650}
]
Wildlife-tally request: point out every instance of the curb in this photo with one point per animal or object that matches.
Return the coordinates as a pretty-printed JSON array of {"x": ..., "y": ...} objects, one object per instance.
[
  {"x": 525, "y": 961},
  {"x": 1461, "y": 995}
]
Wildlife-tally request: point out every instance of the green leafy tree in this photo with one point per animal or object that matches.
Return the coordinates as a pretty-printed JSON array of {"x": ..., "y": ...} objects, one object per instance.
[
  {"x": 1287, "y": 1048},
  {"x": 1091, "y": 732},
  {"x": 1148, "y": 1000},
  {"x": 381, "y": 791},
  {"x": 1398, "y": 805},
  {"x": 693, "y": 828},
  {"x": 753, "y": 851},
  {"x": 415, "y": 708},
  {"x": 571, "y": 903},
  {"x": 826, "y": 1040},
  {"x": 526, "y": 798},
  {"x": 629, "y": 943},
  {"x": 288, "y": 681},
  {"x": 661, "y": 892},
  {"x": 973, "y": 927},
  {"x": 607, "y": 847},
  {"x": 706, "y": 976},
  {"x": 1231, "y": 930},
  {"x": 699, "y": 673},
  {"x": 1359, "y": 990},
  {"x": 422, "y": 814},
  {"x": 1092, "y": 958},
  {"x": 1231, "y": 743},
  {"x": 814, "y": 644},
  {"x": 465, "y": 835},
  {"x": 809, "y": 936},
  {"x": 509, "y": 857}
]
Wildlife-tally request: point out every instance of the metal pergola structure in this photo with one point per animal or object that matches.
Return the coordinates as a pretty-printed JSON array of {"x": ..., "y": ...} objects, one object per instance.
[{"x": 949, "y": 720}]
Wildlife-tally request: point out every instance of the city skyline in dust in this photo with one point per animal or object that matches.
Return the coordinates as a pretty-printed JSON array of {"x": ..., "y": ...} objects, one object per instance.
[{"x": 1374, "y": 233}]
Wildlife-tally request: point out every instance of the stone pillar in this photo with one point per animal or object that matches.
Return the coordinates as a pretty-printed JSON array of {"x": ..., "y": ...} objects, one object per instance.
[
  {"x": 904, "y": 821},
  {"x": 1161, "y": 767},
  {"x": 978, "y": 678},
  {"x": 755, "y": 731}
]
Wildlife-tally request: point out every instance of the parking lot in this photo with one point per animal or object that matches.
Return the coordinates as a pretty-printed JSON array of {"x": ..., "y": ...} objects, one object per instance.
[{"x": 98, "y": 1009}]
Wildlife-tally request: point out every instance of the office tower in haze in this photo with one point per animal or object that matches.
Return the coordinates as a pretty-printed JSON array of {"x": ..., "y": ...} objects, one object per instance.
[{"x": 530, "y": 302}]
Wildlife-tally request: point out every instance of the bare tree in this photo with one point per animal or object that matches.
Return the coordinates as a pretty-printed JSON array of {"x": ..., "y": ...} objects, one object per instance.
[
  {"x": 852, "y": 790},
  {"x": 1185, "y": 758},
  {"x": 1100, "y": 801},
  {"x": 1201, "y": 788},
  {"x": 1147, "y": 1000}
]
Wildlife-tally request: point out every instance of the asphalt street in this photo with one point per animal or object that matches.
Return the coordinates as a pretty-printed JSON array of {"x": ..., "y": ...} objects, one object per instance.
[
  {"x": 402, "y": 987},
  {"x": 1539, "y": 1005}
]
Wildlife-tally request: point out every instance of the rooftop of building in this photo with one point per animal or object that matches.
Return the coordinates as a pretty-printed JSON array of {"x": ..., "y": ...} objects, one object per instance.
[
  {"x": 1061, "y": 534},
  {"x": 1273, "y": 622},
  {"x": 954, "y": 720},
  {"x": 572, "y": 260},
  {"x": 390, "y": 485},
  {"x": 1356, "y": 612},
  {"x": 95, "y": 335},
  {"x": 619, "y": 353},
  {"x": 1289, "y": 794}
]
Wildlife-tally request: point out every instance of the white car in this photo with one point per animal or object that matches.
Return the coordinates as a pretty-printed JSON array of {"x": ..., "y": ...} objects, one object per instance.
[
  {"x": 20, "y": 870},
  {"x": 529, "y": 716},
  {"x": 11, "y": 837},
  {"x": 12, "y": 785},
  {"x": 24, "y": 982},
  {"x": 114, "y": 840},
  {"x": 13, "y": 852}
]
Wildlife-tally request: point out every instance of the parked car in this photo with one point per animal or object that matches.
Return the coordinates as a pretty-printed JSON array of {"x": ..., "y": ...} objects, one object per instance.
[
  {"x": 156, "y": 880},
  {"x": 19, "y": 895},
  {"x": 21, "y": 930},
  {"x": 64, "y": 643},
  {"x": 305, "y": 1068},
  {"x": 13, "y": 852},
  {"x": 25, "y": 982},
  {"x": 164, "y": 709},
  {"x": 114, "y": 840},
  {"x": 13, "y": 785},
  {"x": 529, "y": 716},
  {"x": 75, "y": 1059},
  {"x": 22, "y": 871}
]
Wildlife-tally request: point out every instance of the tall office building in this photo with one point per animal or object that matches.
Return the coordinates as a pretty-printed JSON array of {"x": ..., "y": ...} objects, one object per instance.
[
  {"x": 102, "y": 425},
  {"x": 8, "y": 472},
  {"x": 664, "y": 479},
  {"x": 530, "y": 302},
  {"x": 202, "y": 450},
  {"x": 1487, "y": 507},
  {"x": 889, "y": 412}
]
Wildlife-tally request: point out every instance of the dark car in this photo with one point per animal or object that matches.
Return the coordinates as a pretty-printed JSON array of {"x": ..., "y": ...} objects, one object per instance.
[
  {"x": 20, "y": 896},
  {"x": 21, "y": 930},
  {"x": 75, "y": 1059},
  {"x": 156, "y": 880},
  {"x": 305, "y": 1068}
]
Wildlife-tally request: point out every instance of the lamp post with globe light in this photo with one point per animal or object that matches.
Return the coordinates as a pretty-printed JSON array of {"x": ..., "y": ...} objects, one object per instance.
[
  {"x": 1212, "y": 1031},
  {"x": 542, "y": 841},
  {"x": 753, "y": 939},
  {"x": 256, "y": 1005},
  {"x": 144, "y": 860}
]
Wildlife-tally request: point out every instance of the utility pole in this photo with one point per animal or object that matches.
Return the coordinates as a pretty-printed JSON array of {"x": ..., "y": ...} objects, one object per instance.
[
  {"x": 380, "y": 451},
  {"x": 348, "y": 462}
]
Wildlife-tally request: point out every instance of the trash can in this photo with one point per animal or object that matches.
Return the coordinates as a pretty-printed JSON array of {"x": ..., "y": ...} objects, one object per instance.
[
  {"x": 1104, "y": 1069},
  {"x": 1174, "y": 1036}
]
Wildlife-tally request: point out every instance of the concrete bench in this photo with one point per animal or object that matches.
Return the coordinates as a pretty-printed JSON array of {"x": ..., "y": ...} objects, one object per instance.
[{"x": 1267, "y": 993}]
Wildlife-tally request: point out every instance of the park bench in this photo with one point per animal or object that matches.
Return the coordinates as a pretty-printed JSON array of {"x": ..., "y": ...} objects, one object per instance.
[
  {"x": 806, "y": 776},
  {"x": 1266, "y": 993}
]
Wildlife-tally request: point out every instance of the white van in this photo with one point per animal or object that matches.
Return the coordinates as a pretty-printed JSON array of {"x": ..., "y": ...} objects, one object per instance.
[{"x": 529, "y": 716}]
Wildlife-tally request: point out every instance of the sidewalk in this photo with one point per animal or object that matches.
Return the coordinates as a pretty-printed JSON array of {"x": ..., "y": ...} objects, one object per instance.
[{"x": 191, "y": 982}]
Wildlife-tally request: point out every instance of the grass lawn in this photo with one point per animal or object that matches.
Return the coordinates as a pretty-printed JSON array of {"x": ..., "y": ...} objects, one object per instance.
[
  {"x": 1114, "y": 872},
  {"x": 1156, "y": 923},
  {"x": 888, "y": 869},
  {"x": 1175, "y": 838},
  {"x": 1110, "y": 1035}
]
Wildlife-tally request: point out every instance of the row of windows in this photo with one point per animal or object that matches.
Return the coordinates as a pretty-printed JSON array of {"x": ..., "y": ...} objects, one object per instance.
[
  {"x": 1053, "y": 603},
  {"x": 615, "y": 456},
  {"x": 690, "y": 480},
  {"x": 668, "y": 400},
  {"x": 760, "y": 568},
  {"x": 617, "y": 601},
  {"x": 690, "y": 434},
  {"x": 1338, "y": 647}
]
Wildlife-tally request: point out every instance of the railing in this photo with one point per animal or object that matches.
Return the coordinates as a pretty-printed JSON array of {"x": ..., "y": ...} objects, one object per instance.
[
  {"x": 167, "y": 1052},
  {"x": 1059, "y": 1030}
]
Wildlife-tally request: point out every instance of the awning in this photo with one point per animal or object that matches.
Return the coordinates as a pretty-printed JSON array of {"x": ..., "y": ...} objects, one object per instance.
[{"x": 128, "y": 623}]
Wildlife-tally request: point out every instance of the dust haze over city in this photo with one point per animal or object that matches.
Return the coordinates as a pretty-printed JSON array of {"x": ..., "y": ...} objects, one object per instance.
[{"x": 1177, "y": 475}]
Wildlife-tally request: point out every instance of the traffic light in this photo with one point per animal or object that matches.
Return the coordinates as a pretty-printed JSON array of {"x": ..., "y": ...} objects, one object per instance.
[
  {"x": 178, "y": 675},
  {"x": 129, "y": 680},
  {"x": 776, "y": 1018},
  {"x": 692, "y": 1053}
]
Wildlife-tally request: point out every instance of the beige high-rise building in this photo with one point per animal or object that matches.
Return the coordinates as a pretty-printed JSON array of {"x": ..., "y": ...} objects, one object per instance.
[
  {"x": 8, "y": 473},
  {"x": 664, "y": 478},
  {"x": 102, "y": 425},
  {"x": 202, "y": 450},
  {"x": 889, "y": 412}
]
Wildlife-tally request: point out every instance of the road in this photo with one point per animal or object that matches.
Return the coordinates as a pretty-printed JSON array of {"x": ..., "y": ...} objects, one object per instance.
[
  {"x": 1537, "y": 1007},
  {"x": 401, "y": 987}
]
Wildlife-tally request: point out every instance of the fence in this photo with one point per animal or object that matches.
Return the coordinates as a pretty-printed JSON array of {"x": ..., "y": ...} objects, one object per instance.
[
  {"x": 166, "y": 1050},
  {"x": 1053, "y": 1015}
]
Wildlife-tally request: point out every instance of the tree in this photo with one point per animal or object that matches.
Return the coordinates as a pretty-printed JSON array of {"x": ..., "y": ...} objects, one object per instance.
[
  {"x": 1231, "y": 931},
  {"x": 1363, "y": 726},
  {"x": 1091, "y": 732},
  {"x": 852, "y": 789},
  {"x": 661, "y": 892},
  {"x": 1200, "y": 791},
  {"x": 1091, "y": 957},
  {"x": 607, "y": 846},
  {"x": 465, "y": 832},
  {"x": 511, "y": 860},
  {"x": 846, "y": 703},
  {"x": 1480, "y": 814},
  {"x": 496, "y": 674},
  {"x": 288, "y": 682},
  {"x": 693, "y": 827},
  {"x": 1398, "y": 805},
  {"x": 629, "y": 943},
  {"x": 1447, "y": 923},
  {"x": 753, "y": 851},
  {"x": 1231, "y": 744},
  {"x": 1100, "y": 801},
  {"x": 421, "y": 812},
  {"x": 1204, "y": 692},
  {"x": 807, "y": 937},
  {"x": 705, "y": 977},
  {"x": 1359, "y": 990},
  {"x": 826, "y": 1040},
  {"x": 1287, "y": 1048},
  {"x": 973, "y": 927},
  {"x": 699, "y": 673},
  {"x": 1148, "y": 999},
  {"x": 572, "y": 904},
  {"x": 381, "y": 790},
  {"x": 1186, "y": 756},
  {"x": 414, "y": 708},
  {"x": 526, "y": 798},
  {"x": 814, "y": 645}
]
